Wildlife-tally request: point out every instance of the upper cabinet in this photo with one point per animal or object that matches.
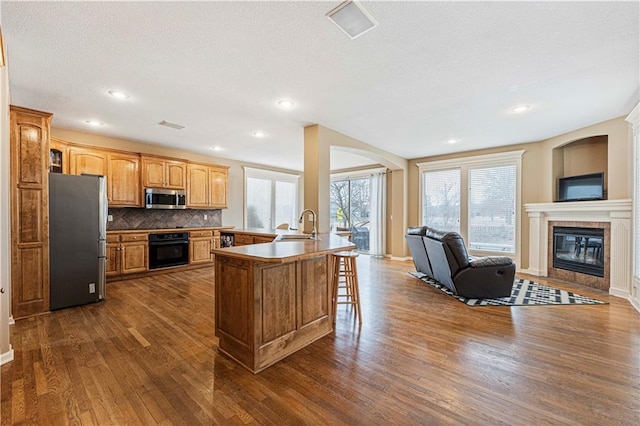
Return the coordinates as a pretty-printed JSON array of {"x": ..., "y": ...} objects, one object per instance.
[
  {"x": 206, "y": 186},
  {"x": 90, "y": 161},
  {"x": 123, "y": 180},
  {"x": 163, "y": 173}
]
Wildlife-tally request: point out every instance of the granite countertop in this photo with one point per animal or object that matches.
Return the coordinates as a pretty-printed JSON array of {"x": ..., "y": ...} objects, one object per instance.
[
  {"x": 287, "y": 251},
  {"x": 201, "y": 228}
]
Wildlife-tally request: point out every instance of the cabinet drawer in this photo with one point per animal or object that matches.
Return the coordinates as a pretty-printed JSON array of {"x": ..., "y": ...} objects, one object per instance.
[
  {"x": 113, "y": 238},
  {"x": 196, "y": 234},
  {"x": 263, "y": 239},
  {"x": 133, "y": 237},
  {"x": 243, "y": 239}
]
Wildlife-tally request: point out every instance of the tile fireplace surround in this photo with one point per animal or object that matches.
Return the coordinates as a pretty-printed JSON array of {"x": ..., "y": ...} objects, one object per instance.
[{"x": 616, "y": 213}]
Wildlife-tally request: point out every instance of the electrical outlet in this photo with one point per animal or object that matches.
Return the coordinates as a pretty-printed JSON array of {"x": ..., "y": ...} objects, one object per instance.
[
  {"x": 205, "y": 217},
  {"x": 92, "y": 288},
  {"x": 110, "y": 218}
]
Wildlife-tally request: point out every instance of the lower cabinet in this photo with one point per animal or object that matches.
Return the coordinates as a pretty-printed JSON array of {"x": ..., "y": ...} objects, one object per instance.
[
  {"x": 127, "y": 254},
  {"x": 200, "y": 245}
]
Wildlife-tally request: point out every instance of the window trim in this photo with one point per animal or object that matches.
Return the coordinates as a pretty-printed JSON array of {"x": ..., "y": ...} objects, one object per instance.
[
  {"x": 464, "y": 164},
  {"x": 273, "y": 176}
]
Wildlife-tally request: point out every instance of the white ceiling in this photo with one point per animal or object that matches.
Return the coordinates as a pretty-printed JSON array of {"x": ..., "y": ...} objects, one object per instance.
[{"x": 430, "y": 71}]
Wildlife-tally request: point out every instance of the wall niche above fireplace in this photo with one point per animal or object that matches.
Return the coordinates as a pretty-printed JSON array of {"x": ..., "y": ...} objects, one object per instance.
[{"x": 581, "y": 157}]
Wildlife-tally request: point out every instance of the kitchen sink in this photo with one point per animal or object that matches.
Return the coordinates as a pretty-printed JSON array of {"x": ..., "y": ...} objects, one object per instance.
[{"x": 295, "y": 237}]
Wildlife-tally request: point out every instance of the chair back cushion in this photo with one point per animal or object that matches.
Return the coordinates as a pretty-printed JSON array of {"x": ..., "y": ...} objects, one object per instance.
[
  {"x": 419, "y": 254},
  {"x": 439, "y": 262}
]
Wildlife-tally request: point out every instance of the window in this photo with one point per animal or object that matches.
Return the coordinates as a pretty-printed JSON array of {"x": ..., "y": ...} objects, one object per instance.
[
  {"x": 350, "y": 208},
  {"x": 477, "y": 197},
  {"x": 492, "y": 209},
  {"x": 441, "y": 199},
  {"x": 271, "y": 198},
  {"x": 358, "y": 204}
]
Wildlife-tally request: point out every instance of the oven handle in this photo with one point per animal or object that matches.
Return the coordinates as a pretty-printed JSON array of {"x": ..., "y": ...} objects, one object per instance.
[{"x": 167, "y": 243}]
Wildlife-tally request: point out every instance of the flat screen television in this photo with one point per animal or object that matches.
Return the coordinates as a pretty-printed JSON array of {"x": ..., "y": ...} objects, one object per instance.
[{"x": 581, "y": 188}]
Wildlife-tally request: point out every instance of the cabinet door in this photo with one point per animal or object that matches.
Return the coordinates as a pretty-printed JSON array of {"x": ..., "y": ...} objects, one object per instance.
[
  {"x": 197, "y": 186},
  {"x": 123, "y": 180},
  {"x": 29, "y": 148},
  {"x": 218, "y": 187},
  {"x": 200, "y": 250},
  {"x": 90, "y": 161},
  {"x": 176, "y": 174},
  {"x": 113, "y": 259},
  {"x": 134, "y": 257},
  {"x": 61, "y": 146},
  {"x": 152, "y": 173}
]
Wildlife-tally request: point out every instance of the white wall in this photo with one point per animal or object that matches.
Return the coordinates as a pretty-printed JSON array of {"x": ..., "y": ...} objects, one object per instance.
[{"x": 6, "y": 352}]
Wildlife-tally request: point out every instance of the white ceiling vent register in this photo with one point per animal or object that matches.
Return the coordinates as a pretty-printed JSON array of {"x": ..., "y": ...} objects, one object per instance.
[
  {"x": 172, "y": 125},
  {"x": 352, "y": 18}
]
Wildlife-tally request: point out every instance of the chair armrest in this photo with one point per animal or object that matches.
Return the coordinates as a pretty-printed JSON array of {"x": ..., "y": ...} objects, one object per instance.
[{"x": 489, "y": 261}]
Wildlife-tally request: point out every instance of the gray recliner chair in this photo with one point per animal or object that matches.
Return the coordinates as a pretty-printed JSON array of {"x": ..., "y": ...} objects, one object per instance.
[{"x": 443, "y": 257}]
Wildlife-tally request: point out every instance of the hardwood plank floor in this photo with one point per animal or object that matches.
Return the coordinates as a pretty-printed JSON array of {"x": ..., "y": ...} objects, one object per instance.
[{"x": 148, "y": 355}]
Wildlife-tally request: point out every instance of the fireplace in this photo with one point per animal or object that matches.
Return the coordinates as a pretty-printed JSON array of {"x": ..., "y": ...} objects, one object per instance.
[
  {"x": 614, "y": 216},
  {"x": 579, "y": 250}
]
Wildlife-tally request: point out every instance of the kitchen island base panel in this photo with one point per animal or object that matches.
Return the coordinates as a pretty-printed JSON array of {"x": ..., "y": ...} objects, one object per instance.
[{"x": 266, "y": 311}]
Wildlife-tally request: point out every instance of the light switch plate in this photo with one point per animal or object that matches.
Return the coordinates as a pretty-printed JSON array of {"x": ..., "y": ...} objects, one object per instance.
[
  {"x": 110, "y": 218},
  {"x": 92, "y": 287}
]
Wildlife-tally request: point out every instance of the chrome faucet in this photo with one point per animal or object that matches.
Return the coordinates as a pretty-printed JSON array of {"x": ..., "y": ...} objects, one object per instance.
[{"x": 314, "y": 233}]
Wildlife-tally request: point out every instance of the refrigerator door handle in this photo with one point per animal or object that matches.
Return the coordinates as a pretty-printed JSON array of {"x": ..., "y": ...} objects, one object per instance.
[{"x": 102, "y": 278}]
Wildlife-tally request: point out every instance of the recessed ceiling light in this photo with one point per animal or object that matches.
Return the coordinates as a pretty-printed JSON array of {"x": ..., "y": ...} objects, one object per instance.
[
  {"x": 285, "y": 103},
  {"x": 520, "y": 108},
  {"x": 258, "y": 134},
  {"x": 217, "y": 148},
  {"x": 94, "y": 123},
  {"x": 118, "y": 95},
  {"x": 452, "y": 141}
]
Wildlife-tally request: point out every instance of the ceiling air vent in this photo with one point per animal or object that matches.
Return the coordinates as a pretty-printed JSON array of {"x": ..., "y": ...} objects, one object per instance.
[
  {"x": 352, "y": 18},
  {"x": 172, "y": 125}
]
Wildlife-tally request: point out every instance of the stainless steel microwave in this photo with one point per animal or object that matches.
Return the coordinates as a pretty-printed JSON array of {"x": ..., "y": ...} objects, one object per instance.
[{"x": 158, "y": 198}]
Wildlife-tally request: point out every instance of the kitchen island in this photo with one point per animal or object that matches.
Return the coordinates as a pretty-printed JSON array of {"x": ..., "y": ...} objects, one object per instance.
[{"x": 273, "y": 299}]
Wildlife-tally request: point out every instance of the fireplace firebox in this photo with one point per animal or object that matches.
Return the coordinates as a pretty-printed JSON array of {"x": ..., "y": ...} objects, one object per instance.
[{"x": 579, "y": 250}]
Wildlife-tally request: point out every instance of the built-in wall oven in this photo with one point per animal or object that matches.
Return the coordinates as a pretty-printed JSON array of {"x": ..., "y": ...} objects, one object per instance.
[{"x": 168, "y": 249}]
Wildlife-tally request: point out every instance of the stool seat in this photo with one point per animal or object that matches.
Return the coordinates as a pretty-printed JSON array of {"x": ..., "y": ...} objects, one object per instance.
[{"x": 345, "y": 276}]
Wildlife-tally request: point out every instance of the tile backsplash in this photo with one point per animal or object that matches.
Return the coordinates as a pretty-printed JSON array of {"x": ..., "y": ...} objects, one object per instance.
[{"x": 124, "y": 218}]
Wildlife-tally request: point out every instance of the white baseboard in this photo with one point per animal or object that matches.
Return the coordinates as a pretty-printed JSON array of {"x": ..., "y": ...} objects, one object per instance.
[
  {"x": 535, "y": 272},
  {"x": 400, "y": 258},
  {"x": 7, "y": 356},
  {"x": 635, "y": 303},
  {"x": 11, "y": 320},
  {"x": 620, "y": 293}
]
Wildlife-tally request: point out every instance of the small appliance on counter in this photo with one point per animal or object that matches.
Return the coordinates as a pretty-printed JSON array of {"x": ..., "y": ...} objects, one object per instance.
[{"x": 77, "y": 239}]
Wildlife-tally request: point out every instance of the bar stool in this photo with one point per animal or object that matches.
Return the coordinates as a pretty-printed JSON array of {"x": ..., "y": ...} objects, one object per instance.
[{"x": 345, "y": 276}]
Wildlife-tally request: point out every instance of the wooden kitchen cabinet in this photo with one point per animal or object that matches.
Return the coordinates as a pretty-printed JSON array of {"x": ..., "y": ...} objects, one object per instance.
[
  {"x": 200, "y": 245},
  {"x": 163, "y": 173},
  {"x": 123, "y": 180},
  {"x": 206, "y": 186},
  {"x": 127, "y": 253},
  {"x": 29, "y": 186},
  {"x": 87, "y": 160},
  {"x": 63, "y": 147}
]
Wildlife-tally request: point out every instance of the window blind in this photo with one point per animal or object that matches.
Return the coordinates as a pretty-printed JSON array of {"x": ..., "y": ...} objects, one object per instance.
[{"x": 441, "y": 199}]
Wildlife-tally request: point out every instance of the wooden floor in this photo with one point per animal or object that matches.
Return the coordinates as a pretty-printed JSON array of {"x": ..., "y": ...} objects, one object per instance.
[{"x": 148, "y": 356}]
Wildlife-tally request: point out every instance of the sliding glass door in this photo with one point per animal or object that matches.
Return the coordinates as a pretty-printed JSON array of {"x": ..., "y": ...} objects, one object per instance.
[{"x": 351, "y": 208}]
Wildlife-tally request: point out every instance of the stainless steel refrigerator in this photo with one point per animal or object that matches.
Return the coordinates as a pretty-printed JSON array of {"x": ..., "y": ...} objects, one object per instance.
[{"x": 77, "y": 239}]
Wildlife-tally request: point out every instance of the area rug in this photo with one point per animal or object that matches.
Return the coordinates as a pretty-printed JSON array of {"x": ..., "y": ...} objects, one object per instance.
[{"x": 524, "y": 293}]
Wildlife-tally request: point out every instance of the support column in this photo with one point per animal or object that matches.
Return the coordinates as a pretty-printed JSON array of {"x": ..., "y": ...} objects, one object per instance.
[{"x": 317, "y": 158}]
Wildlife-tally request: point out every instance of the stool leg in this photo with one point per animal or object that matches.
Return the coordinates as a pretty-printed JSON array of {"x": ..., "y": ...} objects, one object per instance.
[
  {"x": 334, "y": 288},
  {"x": 356, "y": 290}
]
